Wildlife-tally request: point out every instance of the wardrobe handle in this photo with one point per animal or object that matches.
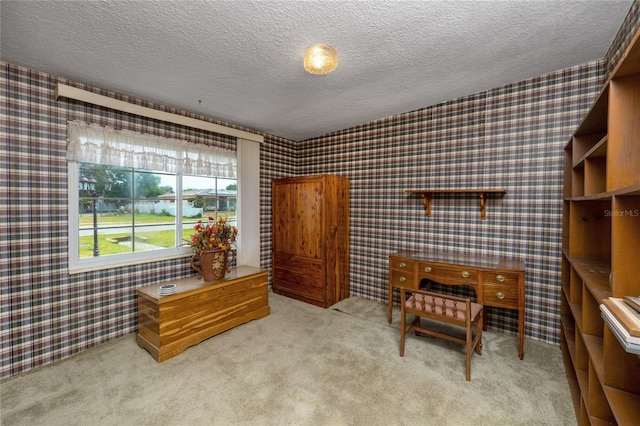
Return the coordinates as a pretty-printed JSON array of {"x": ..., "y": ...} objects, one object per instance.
[
  {"x": 427, "y": 268},
  {"x": 403, "y": 265},
  {"x": 403, "y": 279},
  {"x": 500, "y": 295},
  {"x": 500, "y": 278},
  {"x": 465, "y": 274}
]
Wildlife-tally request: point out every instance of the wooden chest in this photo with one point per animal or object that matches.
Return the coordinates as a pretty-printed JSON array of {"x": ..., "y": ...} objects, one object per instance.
[{"x": 167, "y": 325}]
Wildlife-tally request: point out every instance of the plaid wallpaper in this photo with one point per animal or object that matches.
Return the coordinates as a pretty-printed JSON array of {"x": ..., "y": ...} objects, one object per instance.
[
  {"x": 47, "y": 314},
  {"x": 623, "y": 38},
  {"x": 509, "y": 137}
]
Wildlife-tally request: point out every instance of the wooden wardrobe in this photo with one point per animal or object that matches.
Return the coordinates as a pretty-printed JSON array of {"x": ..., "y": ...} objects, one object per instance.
[{"x": 310, "y": 238}]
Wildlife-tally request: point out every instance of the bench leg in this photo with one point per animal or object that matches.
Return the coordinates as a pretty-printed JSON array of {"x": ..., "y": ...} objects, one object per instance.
[
  {"x": 479, "y": 328},
  {"x": 403, "y": 321}
]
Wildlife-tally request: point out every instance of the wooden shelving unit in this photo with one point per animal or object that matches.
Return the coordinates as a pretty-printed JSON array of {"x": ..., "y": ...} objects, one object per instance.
[
  {"x": 601, "y": 236},
  {"x": 427, "y": 195}
]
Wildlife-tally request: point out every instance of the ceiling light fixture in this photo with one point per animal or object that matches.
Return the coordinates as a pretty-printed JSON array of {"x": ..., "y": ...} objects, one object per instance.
[{"x": 320, "y": 59}]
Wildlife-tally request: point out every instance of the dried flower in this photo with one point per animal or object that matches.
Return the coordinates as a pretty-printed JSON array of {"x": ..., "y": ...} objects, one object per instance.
[{"x": 213, "y": 234}]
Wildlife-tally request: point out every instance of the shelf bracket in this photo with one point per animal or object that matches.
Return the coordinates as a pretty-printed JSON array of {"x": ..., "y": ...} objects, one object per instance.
[{"x": 426, "y": 199}]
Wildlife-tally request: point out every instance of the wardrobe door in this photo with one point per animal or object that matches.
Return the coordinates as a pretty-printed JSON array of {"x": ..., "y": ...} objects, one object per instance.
[{"x": 298, "y": 239}]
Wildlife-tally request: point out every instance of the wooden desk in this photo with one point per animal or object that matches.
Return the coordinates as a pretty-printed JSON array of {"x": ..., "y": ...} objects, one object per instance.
[
  {"x": 497, "y": 282},
  {"x": 167, "y": 325}
]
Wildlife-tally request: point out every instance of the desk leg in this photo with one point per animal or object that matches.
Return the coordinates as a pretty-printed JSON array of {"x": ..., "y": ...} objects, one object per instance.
[
  {"x": 521, "y": 291},
  {"x": 521, "y": 333},
  {"x": 390, "y": 303}
]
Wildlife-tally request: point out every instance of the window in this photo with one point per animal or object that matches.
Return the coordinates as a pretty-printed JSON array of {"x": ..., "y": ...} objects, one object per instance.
[
  {"x": 126, "y": 210},
  {"x": 130, "y": 207}
]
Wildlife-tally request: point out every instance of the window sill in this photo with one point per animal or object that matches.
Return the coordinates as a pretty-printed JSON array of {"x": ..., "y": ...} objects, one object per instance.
[{"x": 111, "y": 262}]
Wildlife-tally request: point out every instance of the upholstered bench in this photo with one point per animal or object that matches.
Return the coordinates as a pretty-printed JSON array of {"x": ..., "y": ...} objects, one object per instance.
[{"x": 445, "y": 309}]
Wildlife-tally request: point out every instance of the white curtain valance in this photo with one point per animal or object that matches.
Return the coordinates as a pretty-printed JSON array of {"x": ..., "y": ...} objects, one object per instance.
[{"x": 91, "y": 143}]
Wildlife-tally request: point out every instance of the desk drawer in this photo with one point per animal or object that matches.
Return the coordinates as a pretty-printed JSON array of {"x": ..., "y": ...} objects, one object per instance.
[
  {"x": 401, "y": 278},
  {"x": 448, "y": 274},
  {"x": 503, "y": 295},
  {"x": 501, "y": 278},
  {"x": 402, "y": 264}
]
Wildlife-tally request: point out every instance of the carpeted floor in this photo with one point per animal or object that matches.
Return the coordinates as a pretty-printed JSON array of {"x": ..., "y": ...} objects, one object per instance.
[{"x": 302, "y": 365}]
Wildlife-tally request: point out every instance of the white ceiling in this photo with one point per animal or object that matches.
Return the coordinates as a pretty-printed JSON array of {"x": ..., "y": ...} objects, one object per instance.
[{"x": 241, "y": 61}]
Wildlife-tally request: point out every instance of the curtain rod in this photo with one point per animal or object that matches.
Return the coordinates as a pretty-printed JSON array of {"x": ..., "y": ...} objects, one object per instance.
[{"x": 118, "y": 105}]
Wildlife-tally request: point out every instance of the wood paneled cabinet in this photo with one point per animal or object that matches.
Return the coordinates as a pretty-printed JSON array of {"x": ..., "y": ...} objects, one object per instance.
[
  {"x": 601, "y": 239},
  {"x": 198, "y": 310},
  {"x": 310, "y": 238}
]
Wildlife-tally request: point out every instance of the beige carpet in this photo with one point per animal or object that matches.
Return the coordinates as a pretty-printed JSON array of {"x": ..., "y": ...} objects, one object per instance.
[{"x": 301, "y": 365}]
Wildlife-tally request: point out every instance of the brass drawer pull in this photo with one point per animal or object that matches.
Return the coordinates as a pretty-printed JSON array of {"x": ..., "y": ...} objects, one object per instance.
[
  {"x": 500, "y": 278},
  {"x": 499, "y": 295},
  {"x": 465, "y": 274},
  {"x": 403, "y": 265},
  {"x": 403, "y": 279},
  {"x": 427, "y": 269}
]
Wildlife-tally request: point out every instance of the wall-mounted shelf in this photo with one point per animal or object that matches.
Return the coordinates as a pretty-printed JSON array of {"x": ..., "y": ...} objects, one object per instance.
[{"x": 428, "y": 193}]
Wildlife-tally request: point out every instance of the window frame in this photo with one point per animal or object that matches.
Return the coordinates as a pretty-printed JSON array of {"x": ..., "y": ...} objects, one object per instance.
[
  {"x": 78, "y": 265},
  {"x": 98, "y": 144},
  {"x": 247, "y": 215}
]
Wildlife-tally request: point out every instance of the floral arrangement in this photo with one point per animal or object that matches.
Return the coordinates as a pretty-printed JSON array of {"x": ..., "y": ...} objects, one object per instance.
[{"x": 213, "y": 234}]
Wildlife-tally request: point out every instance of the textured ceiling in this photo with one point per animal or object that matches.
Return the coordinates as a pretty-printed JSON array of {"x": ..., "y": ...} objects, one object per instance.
[{"x": 241, "y": 61}]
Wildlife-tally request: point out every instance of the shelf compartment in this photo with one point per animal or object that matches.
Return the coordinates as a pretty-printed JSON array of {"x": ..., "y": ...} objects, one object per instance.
[
  {"x": 595, "y": 176},
  {"x": 576, "y": 311},
  {"x": 565, "y": 275},
  {"x": 599, "y": 150},
  {"x": 595, "y": 122},
  {"x": 595, "y": 276},
  {"x": 567, "y": 168},
  {"x": 566, "y": 208},
  {"x": 569, "y": 329},
  {"x": 625, "y": 132},
  {"x": 583, "y": 384},
  {"x": 577, "y": 181},
  {"x": 569, "y": 344},
  {"x": 581, "y": 359},
  {"x": 625, "y": 230},
  {"x": 595, "y": 348},
  {"x": 622, "y": 368},
  {"x": 592, "y": 323},
  {"x": 590, "y": 230},
  {"x": 589, "y": 146},
  {"x": 598, "y": 404},
  {"x": 575, "y": 288},
  {"x": 625, "y": 405}
]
